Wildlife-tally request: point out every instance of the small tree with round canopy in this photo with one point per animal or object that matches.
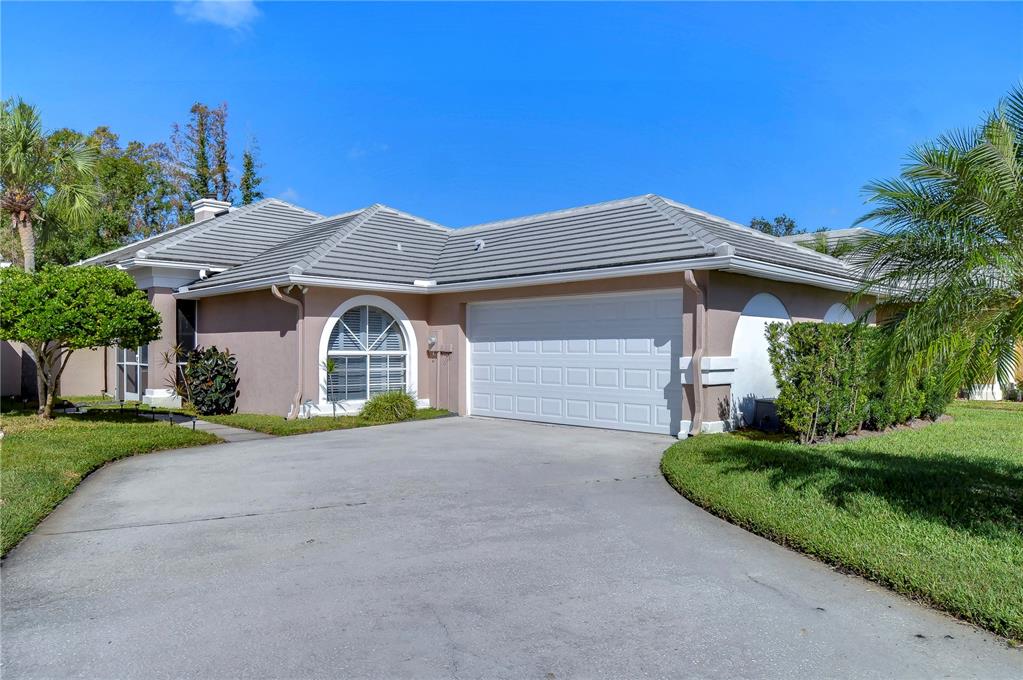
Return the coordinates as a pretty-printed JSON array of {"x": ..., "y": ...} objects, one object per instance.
[{"x": 60, "y": 309}]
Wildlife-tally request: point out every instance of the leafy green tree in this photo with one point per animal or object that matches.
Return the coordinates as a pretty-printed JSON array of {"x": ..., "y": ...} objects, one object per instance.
[
  {"x": 251, "y": 182},
  {"x": 782, "y": 225},
  {"x": 951, "y": 260},
  {"x": 136, "y": 198},
  {"x": 38, "y": 178},
  {"x": 60, "y": 309}
]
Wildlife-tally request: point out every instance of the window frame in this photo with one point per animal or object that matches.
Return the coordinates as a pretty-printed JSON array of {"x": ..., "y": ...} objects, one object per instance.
[{"x": 399, "y": 322}]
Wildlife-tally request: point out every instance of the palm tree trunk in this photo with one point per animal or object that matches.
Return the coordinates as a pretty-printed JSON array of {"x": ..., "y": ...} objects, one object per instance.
[{"x": 23, "y": 224}]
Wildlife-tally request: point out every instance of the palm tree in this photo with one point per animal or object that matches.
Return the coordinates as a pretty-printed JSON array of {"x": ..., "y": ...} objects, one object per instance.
[
  {"x": 38, "y": 178},
  {"x": 951, "y": 259}
]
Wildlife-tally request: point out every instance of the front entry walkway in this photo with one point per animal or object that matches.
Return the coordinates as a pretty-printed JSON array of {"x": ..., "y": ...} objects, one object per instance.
[{"x": 456, "y": 547}]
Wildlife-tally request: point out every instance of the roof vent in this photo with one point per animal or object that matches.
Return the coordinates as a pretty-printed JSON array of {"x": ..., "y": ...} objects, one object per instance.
[
  {"x": 479, "y": 244},
  {"x": 398, "y": 245}
]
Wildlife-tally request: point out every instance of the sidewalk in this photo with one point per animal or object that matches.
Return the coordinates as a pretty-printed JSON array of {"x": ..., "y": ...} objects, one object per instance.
[{"x": 228, "y": 434}]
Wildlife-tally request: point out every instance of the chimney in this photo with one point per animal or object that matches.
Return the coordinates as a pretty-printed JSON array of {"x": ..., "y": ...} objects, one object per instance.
[{"x": 209, "y": 207}]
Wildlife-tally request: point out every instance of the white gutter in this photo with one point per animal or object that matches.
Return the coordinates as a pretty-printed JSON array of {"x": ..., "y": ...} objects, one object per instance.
[
  {"x": 137, "y": 263},
  {"x": 728, "y": 262},
  {"x": 777, "y": 272},
  {"x": 424, "y": 287}
]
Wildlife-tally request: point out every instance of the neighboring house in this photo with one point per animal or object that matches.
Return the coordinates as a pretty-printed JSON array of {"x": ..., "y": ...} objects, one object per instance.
[
  {"x": 587, "y": 316},
  {"x": 832, "y": 237}
]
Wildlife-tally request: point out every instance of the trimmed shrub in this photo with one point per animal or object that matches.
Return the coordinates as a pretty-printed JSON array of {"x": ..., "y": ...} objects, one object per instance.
[
  {"x": 821, "y": 372},
  {"x": 830, "y": 385},
  {"x": 891, "y": 404},
  {"x": 389, "y": 407},
  {"x": 211, "y": 380}
]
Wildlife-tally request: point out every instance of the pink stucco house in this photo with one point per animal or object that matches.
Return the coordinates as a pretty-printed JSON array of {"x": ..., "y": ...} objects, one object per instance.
[{"x": 596, "y": 316}]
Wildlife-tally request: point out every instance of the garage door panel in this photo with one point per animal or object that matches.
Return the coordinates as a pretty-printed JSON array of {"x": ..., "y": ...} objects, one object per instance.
[{"x": 604, "y": 361}]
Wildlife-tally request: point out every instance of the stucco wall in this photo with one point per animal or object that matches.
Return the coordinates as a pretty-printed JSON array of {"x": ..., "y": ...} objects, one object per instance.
[
  {"x": 10, "y": 369},
  {"x": 84, "y": 373},
  {"x": 260, "y": 330},
  {"x": 728, "y": 293},
  {"x": 161, "y": 373}
]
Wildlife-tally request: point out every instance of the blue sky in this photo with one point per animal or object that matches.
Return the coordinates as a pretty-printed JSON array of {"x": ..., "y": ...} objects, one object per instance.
[{"x": 464, "y": 113}]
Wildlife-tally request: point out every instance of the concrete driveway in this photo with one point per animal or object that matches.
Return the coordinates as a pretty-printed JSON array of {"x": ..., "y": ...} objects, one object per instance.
[{"x": 452, "y": 548}]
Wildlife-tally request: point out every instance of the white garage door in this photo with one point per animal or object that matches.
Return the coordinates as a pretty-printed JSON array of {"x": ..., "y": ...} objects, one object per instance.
[{"x": 603, "y": 361}]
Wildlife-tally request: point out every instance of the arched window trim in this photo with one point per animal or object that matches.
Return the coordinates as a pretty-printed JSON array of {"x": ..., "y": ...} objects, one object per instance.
[{"x": 400, "y": 318}]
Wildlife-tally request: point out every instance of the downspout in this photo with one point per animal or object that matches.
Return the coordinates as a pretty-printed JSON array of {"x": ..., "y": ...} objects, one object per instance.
[
  {"x": 696, "y": 364},
  {"x": 296, "y": 401}
]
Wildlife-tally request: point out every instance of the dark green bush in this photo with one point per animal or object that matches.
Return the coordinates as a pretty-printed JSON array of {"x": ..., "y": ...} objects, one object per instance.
[
  {"x": 937, "y": 396},
  {"x": 211, "y": 380},
  {"x": 389, "y": 407},
  {"x": 821, "y": 372},
  {"x": 890, "y": 404},
  {"x": 831, "y": 383}
]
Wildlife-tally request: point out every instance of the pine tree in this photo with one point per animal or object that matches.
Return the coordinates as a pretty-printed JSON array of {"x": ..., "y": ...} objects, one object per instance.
[
  {"x": 200, "y": 184},
  {"x": 223, "y": 187},
  {"x": 251, "y": 183}
]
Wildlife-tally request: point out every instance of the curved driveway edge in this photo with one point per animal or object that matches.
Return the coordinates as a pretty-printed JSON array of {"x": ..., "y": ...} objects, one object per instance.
[{"x": 456, "y": 547}]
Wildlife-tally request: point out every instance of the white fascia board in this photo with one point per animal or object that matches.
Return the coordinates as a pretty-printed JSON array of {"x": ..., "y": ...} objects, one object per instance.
[
  {"x": 777, "y": 272},
  {"x": 586, "y": 274},
  {"x": 138, "y": 263},
  {"x": 723, "y": 262}
]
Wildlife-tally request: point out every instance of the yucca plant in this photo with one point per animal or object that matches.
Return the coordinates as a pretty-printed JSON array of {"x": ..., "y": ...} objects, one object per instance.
[{"x": 950, "y": 258}]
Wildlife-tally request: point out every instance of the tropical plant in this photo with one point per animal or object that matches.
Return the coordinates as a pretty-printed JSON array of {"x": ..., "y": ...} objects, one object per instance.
[
  {"x": 60, "y": 309},
  {"x": 389, "y": 407},
  {"x": 840, "y": 247},
  {"x": 38, "y": 178},
  {"x": 330, "y": 367},
  {"x": 950, "y": 263},
  {"x": 211, "y": 377}
]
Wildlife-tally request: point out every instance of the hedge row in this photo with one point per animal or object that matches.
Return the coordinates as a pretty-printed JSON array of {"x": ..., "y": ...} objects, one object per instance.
[{"x": 830, "y": 385}]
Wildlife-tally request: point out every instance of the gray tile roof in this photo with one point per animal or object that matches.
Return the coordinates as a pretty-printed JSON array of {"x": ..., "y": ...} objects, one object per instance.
[
  {"x": 360, "y": 245},
  {"x": 225, "y": 240},
  {"x": 271, "y": 242},
  {"x": 617, "y": 233}
]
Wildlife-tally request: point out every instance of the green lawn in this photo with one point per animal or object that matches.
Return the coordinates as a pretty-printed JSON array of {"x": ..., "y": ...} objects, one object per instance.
[
  {"x": 41, "y": 462},
  {"x": 935, "y": 513},
  {"x": 277, "y": 425}
]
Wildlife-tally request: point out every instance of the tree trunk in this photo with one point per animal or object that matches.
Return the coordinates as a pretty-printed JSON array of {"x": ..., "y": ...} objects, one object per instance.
[
  {"x": 41, "y": 392},
  {"x": 23, "y": 223}
]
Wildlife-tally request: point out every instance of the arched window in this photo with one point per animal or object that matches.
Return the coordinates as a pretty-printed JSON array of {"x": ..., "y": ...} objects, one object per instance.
[{"x": 369, "y": 353}]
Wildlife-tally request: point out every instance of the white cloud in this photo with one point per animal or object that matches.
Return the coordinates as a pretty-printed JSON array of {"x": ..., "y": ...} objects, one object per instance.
[
  {"x": 362, "y": 150},
  {"x": 289, "y": 195},
  {"x": 234, "y": 14}
]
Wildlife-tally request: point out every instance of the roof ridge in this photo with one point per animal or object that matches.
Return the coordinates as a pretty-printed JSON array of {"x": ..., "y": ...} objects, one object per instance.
[
  {"x": 758, "y": 234},
  {"x": 205, "y": 225},
  {"x": 417, "y": 218},
  {"x": 339, "y": 216},
  {"x": 711, "y": 242},
  {"x": 551, "y": 213},
  {"x": 292, "y": 205},
  {"x": 334, "y": 240}
]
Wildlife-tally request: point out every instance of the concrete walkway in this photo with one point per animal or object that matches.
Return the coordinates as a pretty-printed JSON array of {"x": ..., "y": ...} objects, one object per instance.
[
  {"x": 454, "y": 548},
  {"x": 228, "y": 434}
]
